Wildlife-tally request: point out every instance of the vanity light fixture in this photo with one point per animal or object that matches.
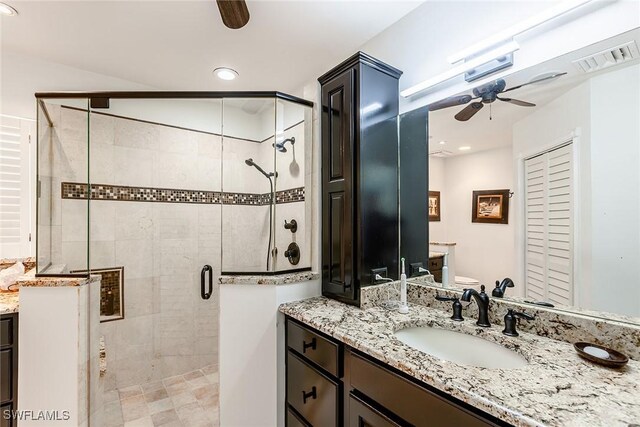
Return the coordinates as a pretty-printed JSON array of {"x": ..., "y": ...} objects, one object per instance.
[
  {"x": 497, "y": 53},
  {"x": 6, "y": 10},
  {"x": 224, "y": 73},
  {"x": 519, "y": 28},
  {"x": 464, "y": 148}
]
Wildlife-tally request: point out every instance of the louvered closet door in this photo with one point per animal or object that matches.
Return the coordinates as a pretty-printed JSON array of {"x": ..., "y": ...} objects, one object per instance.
[
  {"x": 14, "y": 188},
  {"x": 549, "y": 226}
]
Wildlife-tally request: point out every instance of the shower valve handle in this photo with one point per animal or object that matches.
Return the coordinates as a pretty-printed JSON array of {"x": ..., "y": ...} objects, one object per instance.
[{"x": 292, "y": 226}]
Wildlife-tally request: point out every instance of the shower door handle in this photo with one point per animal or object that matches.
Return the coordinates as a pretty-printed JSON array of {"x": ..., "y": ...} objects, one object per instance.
[{"x": 206, "y": 294}]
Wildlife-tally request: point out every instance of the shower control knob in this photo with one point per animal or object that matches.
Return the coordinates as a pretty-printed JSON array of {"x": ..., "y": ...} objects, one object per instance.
[
  {"x": 293, "y": 225},
  {"x": 293, "y": 253}
]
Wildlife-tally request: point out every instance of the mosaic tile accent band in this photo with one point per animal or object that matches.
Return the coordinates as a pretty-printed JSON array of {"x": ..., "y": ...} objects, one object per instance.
[{"x": 75, "y": 190}]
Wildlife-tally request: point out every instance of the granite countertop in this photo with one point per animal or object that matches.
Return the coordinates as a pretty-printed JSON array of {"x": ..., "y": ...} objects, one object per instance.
[
  {"x": 9, "y": 302},
  {"x": 436, "y": 254},
  {"x": 443, "y": 243},
  {"x": 556, "y": 388},
  {"x": 30, "y": 280},
  {"x": 272, "y": 279}
]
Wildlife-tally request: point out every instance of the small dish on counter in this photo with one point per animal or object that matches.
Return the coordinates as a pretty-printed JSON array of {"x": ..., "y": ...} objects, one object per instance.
[{"x": 601, "y": 355}]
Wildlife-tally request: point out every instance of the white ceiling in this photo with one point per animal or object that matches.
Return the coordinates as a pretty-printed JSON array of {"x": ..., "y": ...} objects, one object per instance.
[
  {"x": 480, "y": 133},
  {"x": 175, "y": 45}
]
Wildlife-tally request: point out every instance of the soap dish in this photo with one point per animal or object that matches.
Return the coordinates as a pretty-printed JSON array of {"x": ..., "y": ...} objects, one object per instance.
[{"x": 601, "y": 355}]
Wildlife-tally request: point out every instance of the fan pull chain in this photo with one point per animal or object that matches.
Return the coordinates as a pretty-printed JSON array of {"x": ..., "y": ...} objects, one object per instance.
[{"x": 490, "y": 112}]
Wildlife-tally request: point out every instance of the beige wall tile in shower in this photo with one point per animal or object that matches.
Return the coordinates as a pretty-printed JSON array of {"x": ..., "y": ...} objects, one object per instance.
[
  {"x": 132, "y": 167},
  {"x": 134, "y": 256}
]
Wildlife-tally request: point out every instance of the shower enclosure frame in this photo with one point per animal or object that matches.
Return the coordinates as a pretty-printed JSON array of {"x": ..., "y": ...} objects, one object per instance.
[{"x": 100, "y": 99}]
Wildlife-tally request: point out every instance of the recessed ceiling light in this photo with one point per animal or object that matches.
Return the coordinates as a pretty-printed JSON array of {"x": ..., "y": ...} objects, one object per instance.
[
  {"x": 443, "y": 142},
  {"x": 7, "y": 10},
  {"x": 464, "y": 148},
  {"x": 224, "y": 73}
]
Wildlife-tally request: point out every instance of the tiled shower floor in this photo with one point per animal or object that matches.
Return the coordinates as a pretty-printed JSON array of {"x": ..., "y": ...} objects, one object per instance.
[{"x": 189, "y": 400}]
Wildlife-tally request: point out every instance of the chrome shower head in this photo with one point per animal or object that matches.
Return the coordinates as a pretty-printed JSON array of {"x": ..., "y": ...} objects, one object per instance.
[{"x": 280, "y": 145}]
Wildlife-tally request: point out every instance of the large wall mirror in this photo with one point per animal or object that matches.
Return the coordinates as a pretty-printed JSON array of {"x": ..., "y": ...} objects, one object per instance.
[{"x": 571, "y": 163}]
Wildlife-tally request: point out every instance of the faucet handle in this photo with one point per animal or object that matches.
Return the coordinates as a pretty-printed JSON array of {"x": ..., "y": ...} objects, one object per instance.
[
  {"x": 511, "y": 321},
  {"x": 457, "y": 307}
]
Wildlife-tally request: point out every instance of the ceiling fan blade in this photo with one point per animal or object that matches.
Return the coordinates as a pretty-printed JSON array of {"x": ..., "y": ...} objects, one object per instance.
[
  {"x": 552, "y": 76},
  {"x": 234, "y": 13},
  {"x": 517, "y": 102},
  {"x": 469, "y": 111},
  {"x": 452, "y": 101}
]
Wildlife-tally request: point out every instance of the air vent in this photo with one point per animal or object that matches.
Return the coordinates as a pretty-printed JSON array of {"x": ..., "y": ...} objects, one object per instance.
[
  {"x": 608, "y": 58},
  {"x": 440, "y": 153}
]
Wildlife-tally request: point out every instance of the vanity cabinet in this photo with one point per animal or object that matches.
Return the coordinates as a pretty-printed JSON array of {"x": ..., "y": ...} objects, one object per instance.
[
  {"x": 8, "y": 366},
  {"x": 360, "y": 391},
  {"x": 314, "y": 370},
  {"x": 359, "y": 127}
]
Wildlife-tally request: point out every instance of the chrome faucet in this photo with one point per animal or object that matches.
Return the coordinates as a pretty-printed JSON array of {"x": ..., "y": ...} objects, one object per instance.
[{"x": 482, "y": 299}]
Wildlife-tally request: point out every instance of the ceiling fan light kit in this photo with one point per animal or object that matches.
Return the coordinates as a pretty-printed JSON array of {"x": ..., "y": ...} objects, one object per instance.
[{"x": 486, "y": 94}]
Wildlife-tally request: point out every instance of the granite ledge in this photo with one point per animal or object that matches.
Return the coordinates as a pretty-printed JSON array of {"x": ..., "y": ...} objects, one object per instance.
[
  {"x": 9, "y": 302},
  {"x": 443, "y": 243},
  {"x": 556, "y": 388},
  {"x": 276, "y": 279},
  {"x": 30, "y": 280}
]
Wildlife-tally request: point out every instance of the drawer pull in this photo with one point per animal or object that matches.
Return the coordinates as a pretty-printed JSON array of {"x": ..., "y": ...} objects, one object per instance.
[
  {"x": 311, "y": 394},
  {"x": 311, "y": 345}
]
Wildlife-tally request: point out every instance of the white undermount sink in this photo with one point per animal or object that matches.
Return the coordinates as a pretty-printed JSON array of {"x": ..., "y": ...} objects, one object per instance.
[{"x": 460, "y": 348}]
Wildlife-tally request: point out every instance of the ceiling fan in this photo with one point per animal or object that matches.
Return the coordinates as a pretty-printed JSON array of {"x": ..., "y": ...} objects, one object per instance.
[
  {"x": 486, "y": 94},
  {"x": 234, "y": 13}
]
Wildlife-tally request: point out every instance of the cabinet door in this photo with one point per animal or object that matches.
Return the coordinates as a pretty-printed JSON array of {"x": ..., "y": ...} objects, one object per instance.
[
  {"x": 338, "y": 123},
  {"x": 5, "y": 416},
  {"x": 6, "y": 375},
  {"x": 362, "y": 414}
]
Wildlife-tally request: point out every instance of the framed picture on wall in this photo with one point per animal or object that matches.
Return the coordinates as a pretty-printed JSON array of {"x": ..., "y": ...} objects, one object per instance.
[
  {"x": 491, "y": 206},
  {"x": 434, "y": 206}
]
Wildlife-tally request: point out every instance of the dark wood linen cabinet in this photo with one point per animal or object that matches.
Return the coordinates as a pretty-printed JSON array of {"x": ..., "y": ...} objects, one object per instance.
[{"x": 360, "y": 215}]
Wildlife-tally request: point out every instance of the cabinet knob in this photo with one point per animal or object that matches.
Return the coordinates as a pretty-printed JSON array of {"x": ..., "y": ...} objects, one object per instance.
[{"x": 311, "y": 394}]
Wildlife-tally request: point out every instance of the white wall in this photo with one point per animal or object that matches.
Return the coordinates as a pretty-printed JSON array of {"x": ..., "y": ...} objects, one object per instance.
[
  {"x": 437, "y": 230},
  {"x": 483, "y": 251},
  {"x": 615, "y": 185},
  {"x": 252, "y": 350}
]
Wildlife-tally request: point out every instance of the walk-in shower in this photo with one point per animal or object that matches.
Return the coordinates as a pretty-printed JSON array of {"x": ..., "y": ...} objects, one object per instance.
[{"x": 145, "y": 189}]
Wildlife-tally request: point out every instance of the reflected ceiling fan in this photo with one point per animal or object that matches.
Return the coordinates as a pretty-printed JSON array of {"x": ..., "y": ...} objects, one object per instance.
[
  {"x": 234, "y": 13},
  {"x": 487, "y": 94}
]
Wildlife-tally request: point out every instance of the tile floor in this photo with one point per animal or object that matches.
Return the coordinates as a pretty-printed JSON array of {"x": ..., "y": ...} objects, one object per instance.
[{"x": 189, "y": 400}]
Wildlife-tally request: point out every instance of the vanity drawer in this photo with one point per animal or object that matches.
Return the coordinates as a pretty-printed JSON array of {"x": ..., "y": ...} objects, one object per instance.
[
  {"x": 362, "y": 414},
  {"x": 412, "y": 403},
  {"x": 435, "y": 263},
  {"x": 6, "y": 331},
  {"x": 294, "y": 421},
  {"x": 312, "y": 346},
  {"x": 309, "y": 392}
]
